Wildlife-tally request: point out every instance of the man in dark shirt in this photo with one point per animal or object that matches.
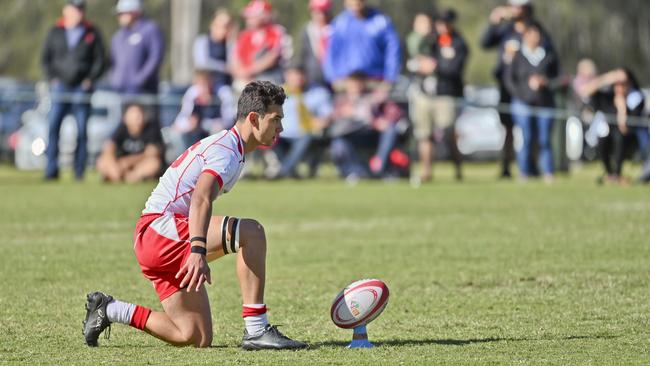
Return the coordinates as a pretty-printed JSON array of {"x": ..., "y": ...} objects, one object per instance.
[
  {"x": 73, "y": 59},
  {"x": 134, "y": 152}
]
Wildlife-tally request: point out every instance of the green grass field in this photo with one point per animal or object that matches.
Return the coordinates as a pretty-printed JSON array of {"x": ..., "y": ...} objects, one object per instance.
[{"x": 483, "y": 272}]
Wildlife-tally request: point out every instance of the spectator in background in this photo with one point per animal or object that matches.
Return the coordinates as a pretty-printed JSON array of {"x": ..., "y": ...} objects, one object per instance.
[
  {"x": 528, "y": 80},
  {"x": 204, "y": 111},
  {"x": 137, "y": 51},
  {"x": 307, "y": 112},
  {"x": 434, "y": 103},
  {"x": 420, "y": 37},
  {"x": 315, "y": 38},
  {"x": 363, "y": 39},
  {"x": 212, "y": 51},
  {"x": 363, "y": 120},
  {"x": 618, "y": 96},
  {"x": 73, "y": 59},
  {"x": 261, "y": 47},
  {"x": 134, "y": 152},
  {"x": 507, "y": 25},
  {"x": 586, "y": 71}
]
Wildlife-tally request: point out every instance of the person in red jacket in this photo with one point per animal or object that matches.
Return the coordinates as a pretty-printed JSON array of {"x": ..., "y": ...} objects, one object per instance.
[
  {"x": 261, "y": 47},
  {"x": 73, "y": 59}
]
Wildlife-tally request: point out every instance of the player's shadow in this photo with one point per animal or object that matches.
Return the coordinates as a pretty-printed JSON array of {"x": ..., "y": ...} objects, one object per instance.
[{"x": 458, "y": 342}]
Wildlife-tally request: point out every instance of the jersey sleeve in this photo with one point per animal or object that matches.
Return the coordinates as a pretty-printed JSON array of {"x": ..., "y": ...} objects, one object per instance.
[{"x": 218, "y": 165}]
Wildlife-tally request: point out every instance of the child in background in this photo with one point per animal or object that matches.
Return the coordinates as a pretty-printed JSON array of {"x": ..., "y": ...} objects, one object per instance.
[{"x": 363, "y": 119}]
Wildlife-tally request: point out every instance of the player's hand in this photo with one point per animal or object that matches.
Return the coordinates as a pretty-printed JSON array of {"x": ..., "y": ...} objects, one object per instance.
[{"x": 196, "y": 272}]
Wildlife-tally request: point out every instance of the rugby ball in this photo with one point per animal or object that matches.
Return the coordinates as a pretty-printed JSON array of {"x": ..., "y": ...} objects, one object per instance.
[{"x": 359, "y": 303}]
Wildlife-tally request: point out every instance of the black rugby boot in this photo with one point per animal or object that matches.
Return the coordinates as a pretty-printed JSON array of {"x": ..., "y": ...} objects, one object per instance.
[{"x": 96, "y": 318}]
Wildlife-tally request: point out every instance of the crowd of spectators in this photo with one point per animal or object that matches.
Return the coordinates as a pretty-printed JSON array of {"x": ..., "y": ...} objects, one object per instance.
[{"x": 339, "y": 90}]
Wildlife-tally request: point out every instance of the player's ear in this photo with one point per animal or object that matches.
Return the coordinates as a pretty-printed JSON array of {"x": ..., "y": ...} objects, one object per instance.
[{"x": 254, "y": 119}]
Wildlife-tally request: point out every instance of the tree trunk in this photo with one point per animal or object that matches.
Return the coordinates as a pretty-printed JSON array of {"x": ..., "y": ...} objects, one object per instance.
[{"x": 186, "y": 17}]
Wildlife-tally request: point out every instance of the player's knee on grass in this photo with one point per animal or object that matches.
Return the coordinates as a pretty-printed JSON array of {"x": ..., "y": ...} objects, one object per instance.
[
  {"x": 205, "y": 341},
  {"x": 196, "y": 339}
]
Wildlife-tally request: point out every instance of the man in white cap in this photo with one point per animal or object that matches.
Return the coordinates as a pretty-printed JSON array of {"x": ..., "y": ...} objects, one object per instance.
[{"x": 137, "y": 51}]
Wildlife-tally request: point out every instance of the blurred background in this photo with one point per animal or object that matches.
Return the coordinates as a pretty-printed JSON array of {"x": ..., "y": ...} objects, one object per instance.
[{"x": 570, "y": 118}]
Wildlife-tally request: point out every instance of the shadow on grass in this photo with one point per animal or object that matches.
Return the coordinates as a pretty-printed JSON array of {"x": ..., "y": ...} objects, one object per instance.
[
  {"x": 400, "y": 342},
  {"x": 459, "y": 342}
]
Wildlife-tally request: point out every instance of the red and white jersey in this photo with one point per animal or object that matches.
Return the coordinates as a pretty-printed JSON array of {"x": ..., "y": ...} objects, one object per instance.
[{"x": 221, "y": 155}]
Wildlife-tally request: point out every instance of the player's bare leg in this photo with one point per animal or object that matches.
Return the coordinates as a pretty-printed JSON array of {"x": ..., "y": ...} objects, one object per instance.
[
  {"x": 186, "y": 319},
  {"x": 247, "y": 238}
]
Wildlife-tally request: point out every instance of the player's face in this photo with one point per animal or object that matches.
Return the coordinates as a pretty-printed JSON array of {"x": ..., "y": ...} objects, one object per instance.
[{"x": 269, "y": 125}]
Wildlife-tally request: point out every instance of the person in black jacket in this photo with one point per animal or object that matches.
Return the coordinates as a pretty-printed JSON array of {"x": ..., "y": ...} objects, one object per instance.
[
  {"x": 528, "y": 80},
  {"x": 73, "y": 59},
  {"x": 507, "y": 25},
  {"x": 434, "y": 102},
  {"x": 617, "y": 96}
]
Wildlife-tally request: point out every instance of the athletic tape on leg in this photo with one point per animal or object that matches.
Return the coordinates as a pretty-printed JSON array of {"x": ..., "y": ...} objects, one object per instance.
[
  {"x": 237, "y": 237},
  {"x": 224, "y": 231},
  {"x": 233, "y": 236}
]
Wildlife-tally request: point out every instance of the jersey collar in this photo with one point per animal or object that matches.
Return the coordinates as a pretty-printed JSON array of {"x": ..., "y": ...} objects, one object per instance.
[{"x": 240, "y": 142}]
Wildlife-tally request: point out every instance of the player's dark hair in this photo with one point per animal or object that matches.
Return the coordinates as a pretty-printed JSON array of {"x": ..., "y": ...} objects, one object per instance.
[{"x": 257, "y": 97}]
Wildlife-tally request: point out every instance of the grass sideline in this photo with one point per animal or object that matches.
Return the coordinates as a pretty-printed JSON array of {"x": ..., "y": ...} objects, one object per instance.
[{"x": 483, "y": 272}]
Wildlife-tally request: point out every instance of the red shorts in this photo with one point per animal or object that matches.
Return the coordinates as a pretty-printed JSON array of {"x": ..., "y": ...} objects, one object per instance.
[{"x": 162, "y": 246}]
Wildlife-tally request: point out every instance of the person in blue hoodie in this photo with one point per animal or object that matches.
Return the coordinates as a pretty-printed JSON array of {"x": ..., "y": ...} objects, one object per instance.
[{"x": 363, "y": 40}]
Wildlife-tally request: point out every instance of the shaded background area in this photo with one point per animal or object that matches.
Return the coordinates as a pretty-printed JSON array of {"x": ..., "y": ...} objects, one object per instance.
[{"x": 613, "y": 33}]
